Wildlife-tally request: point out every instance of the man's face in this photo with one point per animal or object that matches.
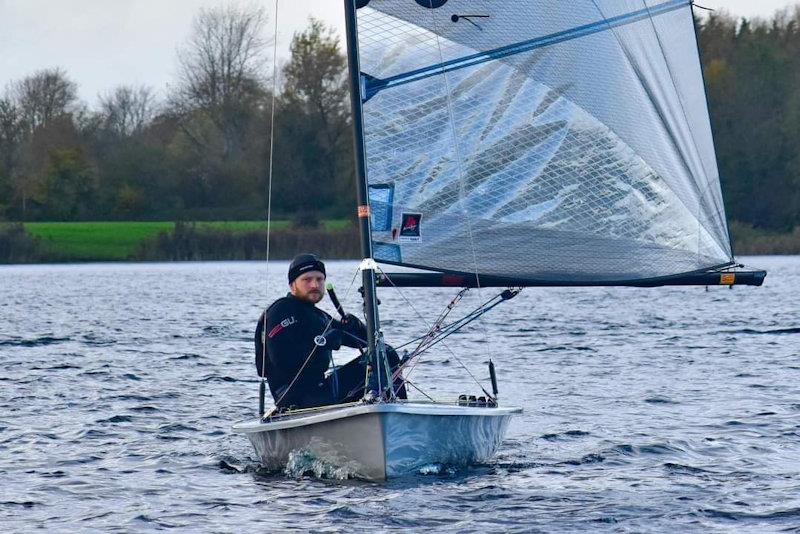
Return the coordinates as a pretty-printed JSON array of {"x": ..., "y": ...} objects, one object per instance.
[{"x": 309, "y": 286}]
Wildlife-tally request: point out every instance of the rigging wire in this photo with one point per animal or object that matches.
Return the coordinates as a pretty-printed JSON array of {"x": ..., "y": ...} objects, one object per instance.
[
  {"x": 411, "y": 305},
  {"x": 269, "y": 188}
]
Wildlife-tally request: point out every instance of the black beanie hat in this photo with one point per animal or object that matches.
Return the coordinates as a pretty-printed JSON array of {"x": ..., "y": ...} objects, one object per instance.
[{"x": 303, "y": 263}]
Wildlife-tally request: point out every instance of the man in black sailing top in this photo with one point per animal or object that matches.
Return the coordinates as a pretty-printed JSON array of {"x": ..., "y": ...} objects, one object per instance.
[{"x": 299, "y": 340}]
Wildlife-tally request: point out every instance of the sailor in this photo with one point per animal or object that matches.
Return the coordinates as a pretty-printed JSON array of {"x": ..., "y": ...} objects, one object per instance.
[{"x": 300, "y": 338}]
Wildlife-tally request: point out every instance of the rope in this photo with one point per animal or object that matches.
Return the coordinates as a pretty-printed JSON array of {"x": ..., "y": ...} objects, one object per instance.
[
  {"x": 447, "y": 327},
  {"x": 269, "y": 187},
  {"x": 442, "y": 316},
  {"x": 453, "y": 327},
  {"x": 418, "y": 389}
]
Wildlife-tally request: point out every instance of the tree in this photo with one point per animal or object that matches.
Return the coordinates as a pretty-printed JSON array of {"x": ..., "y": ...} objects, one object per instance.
[
  {"x": 43, "y": 96},
  {"x": 220, "y": 104},
  {"x": 752, "y": 72},
  {"x": 126, "y": 110},
  {"x": 221, "y": 71},
  {"x": 42, "y": 103},
  {"x": 11, "y": 136},
  {"x": 314, "y": 126},
  {"x": 66, "y": 190}
]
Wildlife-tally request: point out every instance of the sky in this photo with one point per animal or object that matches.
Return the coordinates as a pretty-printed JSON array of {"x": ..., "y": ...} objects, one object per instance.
[{"x": 105, "y": 43}]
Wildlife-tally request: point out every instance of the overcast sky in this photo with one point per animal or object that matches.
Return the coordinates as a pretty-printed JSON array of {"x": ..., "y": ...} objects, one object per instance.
[{"x": 105, "y": 43}]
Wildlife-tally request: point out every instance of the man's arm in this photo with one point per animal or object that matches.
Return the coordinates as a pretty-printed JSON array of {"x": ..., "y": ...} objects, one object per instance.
[{"x": 354, "y": 333}]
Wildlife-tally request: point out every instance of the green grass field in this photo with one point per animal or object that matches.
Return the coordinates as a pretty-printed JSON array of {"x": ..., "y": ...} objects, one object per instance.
[{"x": 114, "y": 241}]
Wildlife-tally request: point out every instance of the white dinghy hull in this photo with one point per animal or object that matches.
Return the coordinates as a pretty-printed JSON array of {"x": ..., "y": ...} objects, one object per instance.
[{"x": 379, "y": 441}]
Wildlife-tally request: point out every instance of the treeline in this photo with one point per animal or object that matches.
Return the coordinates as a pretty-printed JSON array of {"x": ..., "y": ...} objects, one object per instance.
[
  {"x": 201, "y": 153},
  {"x": 752, "y": 74},
  {"x": 187, "y": 242}
]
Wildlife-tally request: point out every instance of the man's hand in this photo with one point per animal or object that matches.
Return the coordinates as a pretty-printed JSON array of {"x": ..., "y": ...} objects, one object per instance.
[{"x": 353, "y": 326}]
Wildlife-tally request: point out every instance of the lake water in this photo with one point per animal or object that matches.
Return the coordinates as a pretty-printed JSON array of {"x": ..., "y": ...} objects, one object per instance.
[{"x": 645, "y": 409}]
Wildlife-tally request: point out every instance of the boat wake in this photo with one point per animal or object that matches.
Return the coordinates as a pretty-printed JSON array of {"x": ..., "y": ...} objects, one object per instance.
[
  {"x": 304, "y": 463},
  {"x": 438, "y": 469}
]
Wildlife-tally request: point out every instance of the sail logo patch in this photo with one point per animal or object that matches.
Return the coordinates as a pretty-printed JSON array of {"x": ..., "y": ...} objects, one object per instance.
[{"x": 410, "y": 228}]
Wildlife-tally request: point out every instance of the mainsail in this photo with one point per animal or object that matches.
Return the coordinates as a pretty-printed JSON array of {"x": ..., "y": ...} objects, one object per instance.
[{"x": 539, "y": 140}]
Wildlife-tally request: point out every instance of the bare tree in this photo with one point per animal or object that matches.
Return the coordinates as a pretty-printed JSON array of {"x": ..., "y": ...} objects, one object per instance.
[
  {"x": 221, "y": 71},
  {"x": 127, "y": 110},
  {"x": 11, "y": 133},
  {"x": 43, "y": 96}
]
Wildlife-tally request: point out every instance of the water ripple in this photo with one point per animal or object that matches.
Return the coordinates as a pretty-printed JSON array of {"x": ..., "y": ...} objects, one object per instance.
[{"x": 644, "y": 410}]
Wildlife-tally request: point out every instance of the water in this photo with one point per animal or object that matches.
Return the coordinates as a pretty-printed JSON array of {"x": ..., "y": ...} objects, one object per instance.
[{"x": 645, "y": 410}]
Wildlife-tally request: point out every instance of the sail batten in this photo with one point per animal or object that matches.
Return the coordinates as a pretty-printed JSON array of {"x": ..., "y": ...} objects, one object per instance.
[{"x": 545, "y": 140}]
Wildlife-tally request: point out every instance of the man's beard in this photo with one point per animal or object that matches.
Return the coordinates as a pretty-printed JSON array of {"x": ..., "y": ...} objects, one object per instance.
[{"x": 312, "y": 296}]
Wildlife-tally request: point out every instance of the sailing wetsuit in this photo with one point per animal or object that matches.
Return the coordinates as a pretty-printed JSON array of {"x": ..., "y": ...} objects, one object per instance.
[{"x": 291, "y": 327}]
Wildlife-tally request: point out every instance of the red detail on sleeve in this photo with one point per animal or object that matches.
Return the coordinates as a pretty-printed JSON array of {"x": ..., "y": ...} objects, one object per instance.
[{"x": 274, "y": 332}]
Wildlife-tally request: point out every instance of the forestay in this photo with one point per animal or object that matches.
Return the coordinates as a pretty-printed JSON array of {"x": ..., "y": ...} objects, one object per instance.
[{"x": 539, "y": 139}]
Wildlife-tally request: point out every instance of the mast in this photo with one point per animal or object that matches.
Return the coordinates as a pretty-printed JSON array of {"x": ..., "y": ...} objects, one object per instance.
[{"x": 374, "y": 343}]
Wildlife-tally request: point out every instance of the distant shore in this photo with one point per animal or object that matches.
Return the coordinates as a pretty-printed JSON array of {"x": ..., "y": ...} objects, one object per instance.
[
  {"x": 749, "y": 241},
  {"x": 66, "y": 242},
  {"x": 70, "y": 242}
]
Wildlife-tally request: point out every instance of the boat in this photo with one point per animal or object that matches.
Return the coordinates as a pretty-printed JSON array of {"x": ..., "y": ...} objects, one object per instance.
[
  {"x": 513, "y": 144},
  {"x": 383, "y": 440}
]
